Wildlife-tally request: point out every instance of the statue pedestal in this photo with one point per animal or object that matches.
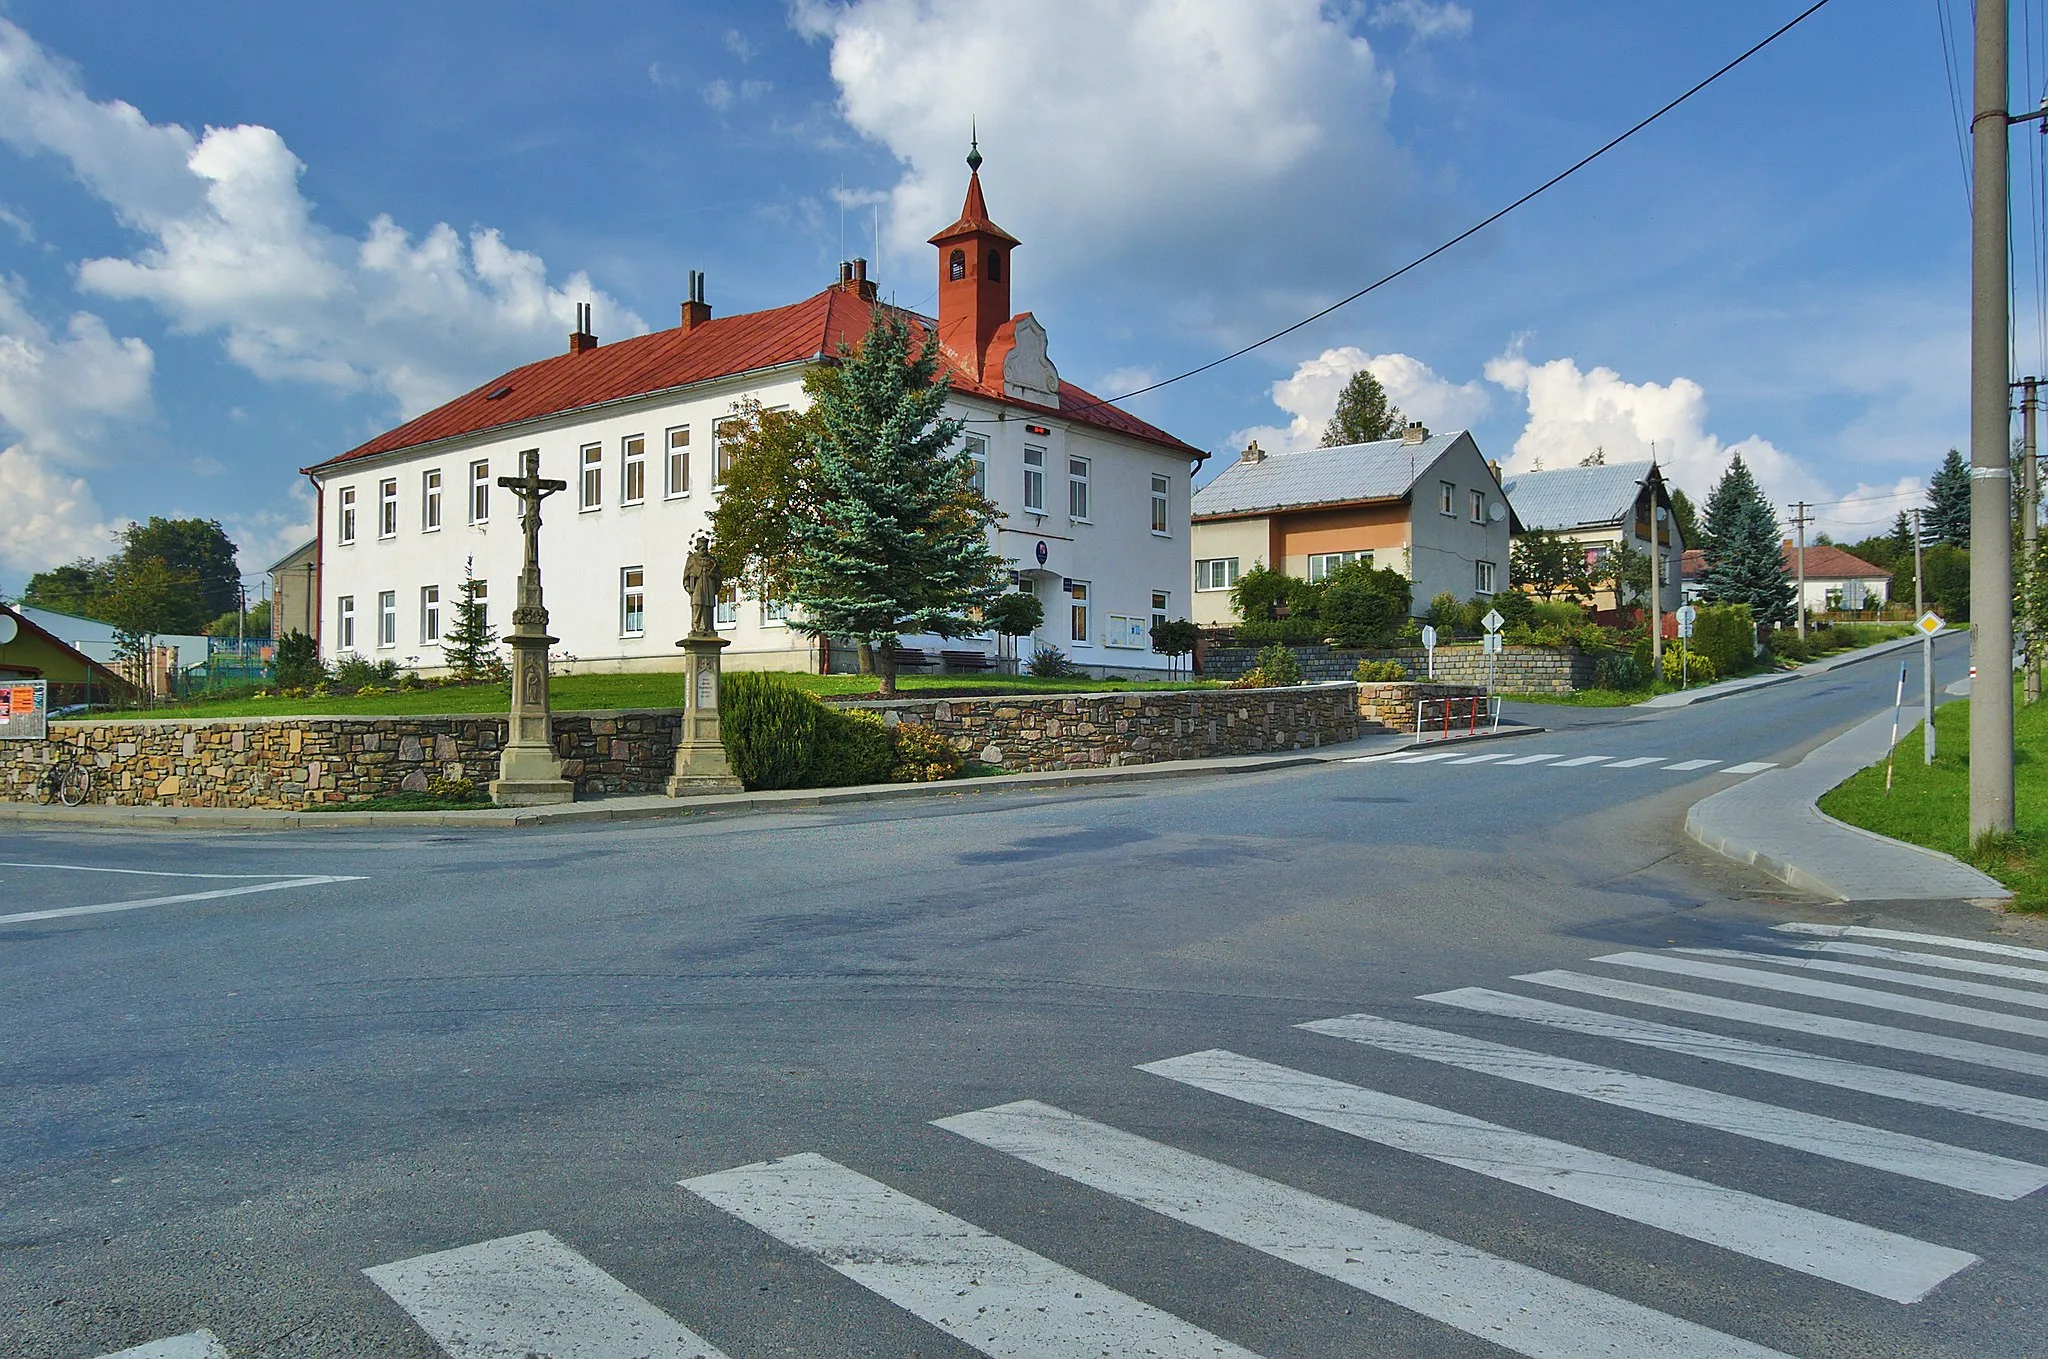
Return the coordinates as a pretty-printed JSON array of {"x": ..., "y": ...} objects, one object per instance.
[
  {"x": 701, "y": 766},
  {"x": 529, "y": 775}
]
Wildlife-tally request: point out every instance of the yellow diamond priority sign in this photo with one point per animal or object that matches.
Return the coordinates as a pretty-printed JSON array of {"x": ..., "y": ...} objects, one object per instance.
[{"x": 1930, "y": 623}]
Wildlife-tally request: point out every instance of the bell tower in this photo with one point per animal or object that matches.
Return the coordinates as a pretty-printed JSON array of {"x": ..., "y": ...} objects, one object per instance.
[{"x": 974, "y": 277}]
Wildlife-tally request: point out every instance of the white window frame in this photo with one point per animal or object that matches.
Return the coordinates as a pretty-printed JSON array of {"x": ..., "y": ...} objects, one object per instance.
[
  {"x": 430, "y": 500},
  {"x": 387, "y": 508},
  {"x": 676, "y": 466},
  {"x": 719, "y": 465},
  {"x": 1162, "y": 506},
  {"x": 1215, "y": 573},
  {"x": 1322, "y": 564},
  {"x": 1162, "y": 608},
  {"x": 632, "y": 469},
  {"x": 1484, "y": 574},
  {"x": 1447, "y": 498},
  {"x": 387, "y": 619},
  {"x": 430, "y": 615},
  {"x": 632, "y": 601},
  {"x": 481, "y": 595},
  {"x": 1034, "y": 480},
  {"x": 480, "y": 491},
  {"x": 345, "y": 622},
  {"x": 725, "y": 611},
  {"x": 976, "y": 449},
  {"x": 590, "y": 485},
  {"x": 345, "y": 519},
  {"x": 1478, "y": 499},
  {"x": 774, "y": 613},
  {"x": 1079, "y": 616},
  {"x": 1079, "y": 472}
]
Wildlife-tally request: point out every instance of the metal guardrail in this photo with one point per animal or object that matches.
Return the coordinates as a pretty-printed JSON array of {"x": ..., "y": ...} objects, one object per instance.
[{"x": 1444, "y": 719}]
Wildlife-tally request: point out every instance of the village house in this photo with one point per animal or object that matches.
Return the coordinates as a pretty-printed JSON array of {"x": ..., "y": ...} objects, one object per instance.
[
  {"x": 1601, "y": 508},
  {"x": 1426, "y": 505},
  {"x": 1094, "y": 501}
]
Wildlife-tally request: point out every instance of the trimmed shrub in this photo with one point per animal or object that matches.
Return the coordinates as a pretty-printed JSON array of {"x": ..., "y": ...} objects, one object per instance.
[
  {"x": 1517, "y": 608},
  {"x": 1380, "y": 672},
  {"x": 852, "y": 747},
  {"x": 1280, "y": 630},
  {"x": 1787, "y": 644},
  {"x": 1698, "y": 668},
  {"x": 297, "y": 664},
  {"x": 452, "y": 790},
  {"x": 923, "y": 754},
  {"x": 1726, "y": 635},
  {"x": 1279, "y": 666},
  {"x": 1262, "y": 592},
  {"x": 1363, "y": 606},
  {"x": 1049, "y": 662},
  {"x": 1621, "y": 670},
  {"x": 1445, "y": 614},
  {"x": 770, "y": 728}
]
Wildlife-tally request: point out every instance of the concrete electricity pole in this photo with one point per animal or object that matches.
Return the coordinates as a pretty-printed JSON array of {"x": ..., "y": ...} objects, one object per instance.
[
  {"x": 1799, "y": 520},
  {"x": 2030, "y": 533},
  {"x": 1650, "y": 484},
  {"x": 1991, "y": 795},
  {"x": 1926, "y": 652}
]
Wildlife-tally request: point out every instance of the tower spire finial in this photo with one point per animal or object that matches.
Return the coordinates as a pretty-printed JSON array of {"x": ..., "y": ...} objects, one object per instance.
[{"x": 973, "y": 148}]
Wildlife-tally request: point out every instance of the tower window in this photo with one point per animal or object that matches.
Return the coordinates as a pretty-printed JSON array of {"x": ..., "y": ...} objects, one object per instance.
[
  {"x": 995, "y": 266},
  {"x": 956, "y": 266}
]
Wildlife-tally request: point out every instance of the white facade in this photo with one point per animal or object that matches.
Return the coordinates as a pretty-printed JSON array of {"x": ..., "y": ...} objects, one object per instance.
[{"x": 612, "y": 564}]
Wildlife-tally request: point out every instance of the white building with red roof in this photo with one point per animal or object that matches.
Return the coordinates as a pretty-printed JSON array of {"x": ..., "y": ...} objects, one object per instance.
[{"x": 1094, "y": 501}]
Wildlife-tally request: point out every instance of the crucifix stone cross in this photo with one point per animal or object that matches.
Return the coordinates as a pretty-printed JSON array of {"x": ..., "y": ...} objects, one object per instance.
[{"x": 531, "y": 488}]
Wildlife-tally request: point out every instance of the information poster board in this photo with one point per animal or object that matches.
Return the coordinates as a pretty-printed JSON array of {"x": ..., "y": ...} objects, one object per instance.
[{"x": 24, "y": 710}]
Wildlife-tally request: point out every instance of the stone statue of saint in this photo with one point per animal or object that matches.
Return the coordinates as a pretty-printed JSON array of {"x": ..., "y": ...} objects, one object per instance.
[{"x": 702, "y": 578}]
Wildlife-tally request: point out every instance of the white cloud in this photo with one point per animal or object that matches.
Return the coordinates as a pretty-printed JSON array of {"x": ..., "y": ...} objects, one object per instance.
[
  {"x": 235, "y": 250},
  {"x": 46, "y": 516},
  {"x": 58, "y": 393},
  {"x": 1310, "y": 395},
  {"x": 1423, "y": 19},
  {"x": 1134, "y": 136},
  {"x": 269, "y": 535}
]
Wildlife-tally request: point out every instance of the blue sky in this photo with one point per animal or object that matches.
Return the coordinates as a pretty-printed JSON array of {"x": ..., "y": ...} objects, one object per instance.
[{"x": 238, "y": 238}]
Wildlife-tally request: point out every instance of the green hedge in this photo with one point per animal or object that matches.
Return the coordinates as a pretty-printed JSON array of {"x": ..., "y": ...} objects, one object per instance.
[
  {"x": 1726, "y": 635},
  {"x": 778, "y": 736}
]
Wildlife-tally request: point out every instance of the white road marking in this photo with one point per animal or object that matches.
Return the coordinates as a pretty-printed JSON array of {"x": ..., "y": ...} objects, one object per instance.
[
  {"x": 980, "y": 1289},
  {"x": 131, "y": 872},
  {"x": 1798, "y": 1021},
  {"x": 1919, "y": 1158},
  {"x": 22, "y": 917},
  {"x": 1691, "y": 764},
  {"x": 522, "y": 1296},
  {"x": 1425, "y": 759},
  {"x": 1751, "y": 767},
  {"x": 1529, "y": 759},
  {"x": 1482, "y": 759},
  {"x": 1819, "y": 990},
  {"x": 1518, "y": 1308},
  {"x": 1638, "y": 762},
  {"x": 1940, "y": 961},
  {"x": 2022, "y": 1110},
  {"x": 1908, "y": 937},
  {"x": 1868, "y": 1259},
  {"x": 1583, "y": 759},
  {"x": 2004, "y": 995},
  {"x": 199, "y": 1344}
]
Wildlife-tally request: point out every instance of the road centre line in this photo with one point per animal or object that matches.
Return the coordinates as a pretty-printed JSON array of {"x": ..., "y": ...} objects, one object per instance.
[
  {"x": 1919, "y": 1158},
  {"x": 1939, "y": 961},
  {"x": 2021, "y": 1110},
  {"x": 530, "y": 1294},
  {"x": 199, "y": 1344},
  {"x": 104, "y": 908},
  {"x": 1869, "y": 1259},
  {"x": 135, "y": 872},
  {"x": 1909, "y": 937},
  {"x": 2004, "y": 995},
  {"x": 982, "y": 1290},
  {"x": 1511, "y": 1305},
  {"x": 1797, "y": 1021}
]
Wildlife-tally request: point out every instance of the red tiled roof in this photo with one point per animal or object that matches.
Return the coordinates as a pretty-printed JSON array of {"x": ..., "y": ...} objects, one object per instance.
[
  {"x": 974, "y": 217},
  {"x": 1831, "y": 563},
  {"x": 721, "y": 347}
]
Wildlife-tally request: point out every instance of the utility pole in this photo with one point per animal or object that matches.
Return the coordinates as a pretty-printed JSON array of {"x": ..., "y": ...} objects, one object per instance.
[
  {"x": 1650, "y": 483},
  {"x": 2030, "y": 534},
  {"x": 1799, "y": 519},
  {"x": 1991, "y": 792},
  {"x": 1926, "y": 653}
]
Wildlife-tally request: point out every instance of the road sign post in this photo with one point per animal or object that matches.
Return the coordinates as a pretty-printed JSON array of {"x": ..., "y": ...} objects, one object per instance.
[
  {"x": 1928, "y": 624},
  {"x": 1492, "y": 623},
  {"x": 1429, "y": 647},
  {"x": 1687, "y": 615}
]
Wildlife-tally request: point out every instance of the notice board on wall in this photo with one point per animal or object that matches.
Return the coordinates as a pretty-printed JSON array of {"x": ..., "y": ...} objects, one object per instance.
[{"x": 24, "y": 710}]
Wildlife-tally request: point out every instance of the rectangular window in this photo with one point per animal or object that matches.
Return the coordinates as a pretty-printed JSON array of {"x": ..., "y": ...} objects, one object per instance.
[
  {"x": 726, "y": 613},
  {"x": 1034, "y": 480},
  {"x": 430, "y": 501},
  {"x": 1482, "y": 578},
  {"x": 724, "y": 434},
  {"x": 1479, "y": 507},
  {"x": 977, "y": 462},
  {"x": 480, "y": 591},
  {"x": 387, "y": 508},
  {"x": 1322, "y": 564},
  {"x": 678, "y": 483},
  {"x": 347, "y": 527},
  {"x": 387, "y": 618},
  {"x": 430, "y": 614},
  {"x": 345, "y": 622},
  {"x": 774, "y": 613},
  {"x": 1216, "y": 573},
  {"x": 1161, "y": 599},
  {"x": 1077, "y": 489},
  {"x": 1162, "y": 493},
  {"x": 479, "y": 492},
  {"x": 593, "y": 476},
  {"x": 1079, "y": 610},
  {"x": 632, "y": 601},
  {"x": 1447, "y": 498},
  {"x": 633, "y": 470}
]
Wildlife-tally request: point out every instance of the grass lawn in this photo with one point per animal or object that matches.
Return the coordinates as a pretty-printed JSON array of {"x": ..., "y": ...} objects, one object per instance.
[
  {"x": 1930, "y": 804},
  {"x": 1586, "y": 698},
  {"x": 580, "y": 693}
]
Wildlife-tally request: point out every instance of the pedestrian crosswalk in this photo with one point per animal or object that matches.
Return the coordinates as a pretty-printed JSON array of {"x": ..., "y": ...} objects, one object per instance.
[
  {"x": 1454, "y": 754},
  {"x": 534, "y": 1295}
]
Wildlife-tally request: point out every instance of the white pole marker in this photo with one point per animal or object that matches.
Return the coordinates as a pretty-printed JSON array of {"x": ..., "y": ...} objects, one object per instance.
[
  {"x": 984, "y": 1291},
  {"x": 1523, "y": 1310}
]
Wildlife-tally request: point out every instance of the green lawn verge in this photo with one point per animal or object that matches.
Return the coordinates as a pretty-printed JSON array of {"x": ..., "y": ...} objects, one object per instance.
[
  {"x": 582, "y": 693},
  {"x": 1586, "y": 698},
  {"x": 1930, "y": 804},
  {"x": 404, "y": 802}
]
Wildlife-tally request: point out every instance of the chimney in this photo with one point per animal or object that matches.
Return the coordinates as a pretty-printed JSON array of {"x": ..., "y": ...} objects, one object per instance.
[
  {"x": 1252, "y": 453},
  {"x": 1493, "y": 466},
  {"x": 696, "y": 311},
  {"x": 853, "y": 278},
  {"x": 1415, "y": 433},
  {"x": 581, "y": 340}
]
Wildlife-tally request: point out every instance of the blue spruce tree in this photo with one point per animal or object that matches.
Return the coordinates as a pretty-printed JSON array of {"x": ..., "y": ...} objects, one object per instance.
[
  {"x": 1745, "y": 564},
  {"x": 1948, "y": 503}
]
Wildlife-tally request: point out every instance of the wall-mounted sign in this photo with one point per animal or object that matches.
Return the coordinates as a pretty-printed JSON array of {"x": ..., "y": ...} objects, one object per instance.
[
  {"x": 1125, "y": 631},
  {"x": 24, "y": 710},
  {"x": 1041, "y": 553},
  {"x": 1037, "y": 429}
]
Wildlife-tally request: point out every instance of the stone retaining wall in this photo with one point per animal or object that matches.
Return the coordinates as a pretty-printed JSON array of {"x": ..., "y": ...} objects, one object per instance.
[
  {"x": 1517, "y": 670},
  {"x": 1393, "y": 705}
]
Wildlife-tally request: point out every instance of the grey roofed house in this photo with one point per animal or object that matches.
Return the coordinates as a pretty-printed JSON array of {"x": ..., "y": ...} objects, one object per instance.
[
  {"x": 1567, "y": 498},
  {"x": 1322, "y": 476}
]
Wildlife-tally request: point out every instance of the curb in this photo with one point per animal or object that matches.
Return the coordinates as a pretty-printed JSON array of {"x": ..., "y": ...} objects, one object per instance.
[{"x": 1748, "y": 684}]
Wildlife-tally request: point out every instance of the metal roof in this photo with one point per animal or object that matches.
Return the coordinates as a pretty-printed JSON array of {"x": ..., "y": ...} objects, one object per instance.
[
  {"x": 1385, "y": 470},
  {"x": 1576, "y": 497}
]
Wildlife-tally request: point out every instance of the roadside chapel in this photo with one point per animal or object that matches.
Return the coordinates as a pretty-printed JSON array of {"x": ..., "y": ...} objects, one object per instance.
[{"x": 1093, "y": 500}]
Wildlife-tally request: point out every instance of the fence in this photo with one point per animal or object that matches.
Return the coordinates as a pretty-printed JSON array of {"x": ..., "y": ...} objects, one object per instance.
[{"x": 1443, "y": 719}]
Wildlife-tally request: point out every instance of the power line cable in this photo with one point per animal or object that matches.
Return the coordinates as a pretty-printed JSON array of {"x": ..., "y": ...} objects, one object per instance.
[
  {"x": 1955, "y": 96},
  {"x": 1476, "y": 228}
]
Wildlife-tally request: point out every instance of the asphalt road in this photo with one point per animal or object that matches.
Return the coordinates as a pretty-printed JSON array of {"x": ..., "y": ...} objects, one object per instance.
[{"x": 221, "y": 1110}]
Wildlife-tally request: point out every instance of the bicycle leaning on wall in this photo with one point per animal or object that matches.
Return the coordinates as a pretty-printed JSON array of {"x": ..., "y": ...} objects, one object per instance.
[{"x": 68, "y": 781}]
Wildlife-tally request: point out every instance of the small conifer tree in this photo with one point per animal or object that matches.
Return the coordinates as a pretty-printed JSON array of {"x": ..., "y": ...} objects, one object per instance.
[
  {"x": 1745, "y": 563},
  {"x": 1948, "y": 503},
  {"x": 1363, "y": 415},
  {"x": 471, "y": 645}
]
